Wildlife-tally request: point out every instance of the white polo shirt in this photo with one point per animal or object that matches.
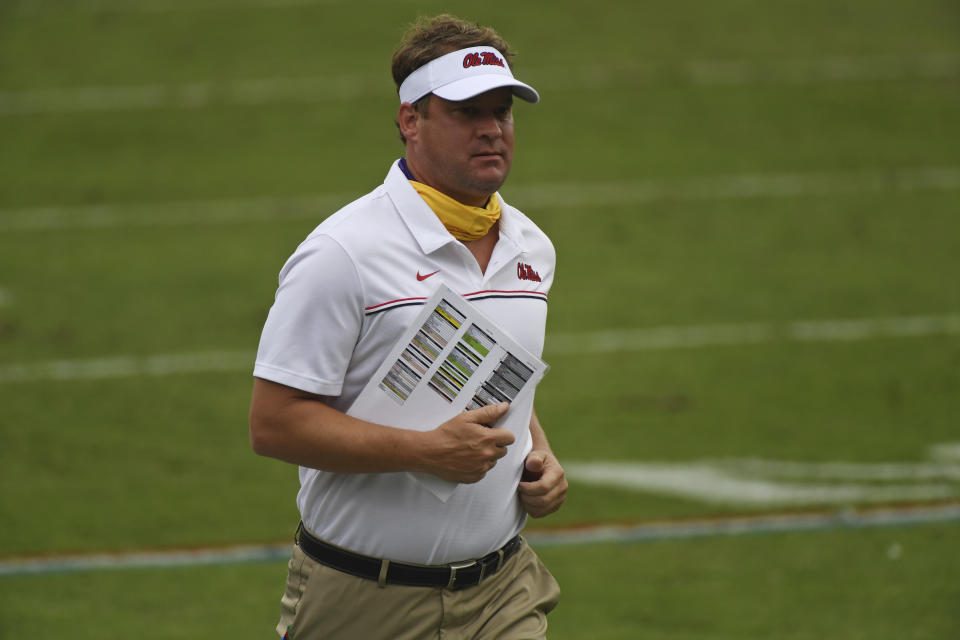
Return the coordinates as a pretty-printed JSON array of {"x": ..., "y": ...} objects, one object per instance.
[{"x": 346, "y": 295}]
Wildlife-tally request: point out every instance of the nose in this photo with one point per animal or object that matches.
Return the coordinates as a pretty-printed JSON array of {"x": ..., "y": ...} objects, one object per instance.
[{"x": 488, "y": 126}]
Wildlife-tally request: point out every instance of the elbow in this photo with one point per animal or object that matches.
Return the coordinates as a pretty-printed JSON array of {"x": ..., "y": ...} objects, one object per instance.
[
  {"x": 276, "y": 424},
  {"x": 258, "y": 440},
  {"x": 262, "y": 437}
]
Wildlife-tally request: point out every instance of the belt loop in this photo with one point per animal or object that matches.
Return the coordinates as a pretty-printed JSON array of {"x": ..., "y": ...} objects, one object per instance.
[
  {"x": 499, "y": 560},
  {"x": 296, "y": 535},
  {"x": 382, "y": 579}
]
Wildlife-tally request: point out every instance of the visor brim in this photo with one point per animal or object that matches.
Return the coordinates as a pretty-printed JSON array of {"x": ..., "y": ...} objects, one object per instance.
[{"x": 466, "y": 88}]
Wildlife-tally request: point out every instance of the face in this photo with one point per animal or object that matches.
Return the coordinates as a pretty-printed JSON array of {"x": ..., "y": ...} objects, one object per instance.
[{"x": 463, "y": 149}]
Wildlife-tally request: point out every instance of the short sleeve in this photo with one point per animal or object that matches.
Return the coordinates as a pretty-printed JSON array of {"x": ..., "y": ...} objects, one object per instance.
[{"x": 316, "y": 318}]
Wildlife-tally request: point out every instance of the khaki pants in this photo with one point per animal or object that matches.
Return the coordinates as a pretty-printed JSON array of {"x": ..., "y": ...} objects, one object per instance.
[{"x": 323, "y": 603}]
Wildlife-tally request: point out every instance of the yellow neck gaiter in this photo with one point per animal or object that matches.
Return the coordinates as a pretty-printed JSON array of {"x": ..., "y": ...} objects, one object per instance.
[{"x": 464, "y": 222}]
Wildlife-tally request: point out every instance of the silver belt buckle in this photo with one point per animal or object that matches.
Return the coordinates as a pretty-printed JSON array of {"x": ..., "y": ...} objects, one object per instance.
[{"x": 457, "y": 567}]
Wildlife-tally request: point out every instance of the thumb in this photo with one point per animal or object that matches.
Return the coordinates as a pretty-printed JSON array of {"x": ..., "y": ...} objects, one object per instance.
[{"x": 534, "y": 462}]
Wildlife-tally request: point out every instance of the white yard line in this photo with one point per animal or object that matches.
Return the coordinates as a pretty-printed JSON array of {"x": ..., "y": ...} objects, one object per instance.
[
  {"x": 187, "y": 213},
  {"x": 718, "y": 483},
  {"x": 44, "y": 7},
  {"x": 677, "y": 337},
  {"x": 946, "y": 452},
  {"x": 739, "y": 186},
  {"x": 347, "y": 87},
  {"x": 753, "y": 481},
  {"x": 597, "y": 534},
  {"x": 824, "y": 69},
  {"x": 143, "y": 560},
  {"x": 588, "y": 342},
  {"x": 188, "y": 96},
  {"x": 128, "y": 366},
  {"x": 564, "y": 195},
  {"x": 946, "y": 469}
]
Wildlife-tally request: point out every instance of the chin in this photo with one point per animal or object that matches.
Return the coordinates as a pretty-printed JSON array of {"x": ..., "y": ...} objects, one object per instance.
[
  {"x": 490, "y": 180},
  {"x": 487, "y": 186}
]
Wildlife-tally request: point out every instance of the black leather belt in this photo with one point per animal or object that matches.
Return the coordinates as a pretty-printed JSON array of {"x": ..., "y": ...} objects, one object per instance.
[{"x": 458, "y": 575}]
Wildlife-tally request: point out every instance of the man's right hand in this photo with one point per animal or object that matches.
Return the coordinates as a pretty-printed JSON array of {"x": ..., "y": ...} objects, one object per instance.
[{"x": 463, "y": 449}]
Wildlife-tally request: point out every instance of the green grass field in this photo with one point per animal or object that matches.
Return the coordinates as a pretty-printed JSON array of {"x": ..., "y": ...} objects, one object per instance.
[{"x": 726, "y": 184}]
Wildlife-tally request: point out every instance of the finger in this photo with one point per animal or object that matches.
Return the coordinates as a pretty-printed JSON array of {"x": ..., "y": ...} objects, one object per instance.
[
  {"x": 489, "y": 414},
  {"x": 541, "y": 505},
  {"x": 544, "y": 484},
  {"x": 534, "y": 483},
  {"x": 533, "y": 467},
  {"x": 534, "y": 489},
  {"x": 502, "y": 437},
  {"x": 535, "y": 462}
]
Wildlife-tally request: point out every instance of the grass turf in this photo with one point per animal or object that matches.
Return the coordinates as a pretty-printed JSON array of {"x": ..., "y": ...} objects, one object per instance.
[{"x": 651, "y": 95}]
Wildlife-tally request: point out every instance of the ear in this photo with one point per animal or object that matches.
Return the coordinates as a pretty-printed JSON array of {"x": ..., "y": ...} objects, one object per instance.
[{"x": 408, "y": 119}]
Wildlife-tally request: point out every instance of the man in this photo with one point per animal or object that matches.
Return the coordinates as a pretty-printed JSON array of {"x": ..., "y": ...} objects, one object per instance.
[{"x": 378, "y": 555}]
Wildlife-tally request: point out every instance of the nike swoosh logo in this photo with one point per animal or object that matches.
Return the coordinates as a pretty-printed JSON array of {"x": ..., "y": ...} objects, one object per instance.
[{"x": 424, "y": 277}]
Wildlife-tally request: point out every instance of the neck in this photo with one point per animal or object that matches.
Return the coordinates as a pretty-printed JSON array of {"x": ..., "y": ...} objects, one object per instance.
[
  {"x": 410, "y": 169},
  {"x": 465, "y": 222}
]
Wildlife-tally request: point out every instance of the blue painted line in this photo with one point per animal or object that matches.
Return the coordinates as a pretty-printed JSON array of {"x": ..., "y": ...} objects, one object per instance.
[{"x": 734, "y": 526}]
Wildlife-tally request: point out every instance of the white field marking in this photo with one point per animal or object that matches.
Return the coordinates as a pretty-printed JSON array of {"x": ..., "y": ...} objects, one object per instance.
[
  {"x": 713, "y": 73},
  {"x": 557, "y": 344},
  {"x": 590, "y": 194},
  {"x": 707, "y": 482},
  {"x": 872, "y": 472},
  {"x": 753, "y": 481},
  {"x": 173, "y": 213},
  {"x": 128, "y": 366},
  {"x": 676, "y": 337},
  {"x": 195, "y": 95},
  {"x": 739, "y": 186},
  {"x": 347, "y": 87},
  {"x": 598, "y": 534},
  {"x": 824, "y": 69},
  {"x": 144, "y": 559},
  {"x": 947, "y": 451},
  {"x": 40, "y": 7}
]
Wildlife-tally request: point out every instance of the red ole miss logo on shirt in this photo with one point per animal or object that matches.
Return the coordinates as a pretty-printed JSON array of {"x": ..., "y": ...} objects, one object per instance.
[
  {"x": 526, "y": 272},
  {"x": 480, "y": 59}
]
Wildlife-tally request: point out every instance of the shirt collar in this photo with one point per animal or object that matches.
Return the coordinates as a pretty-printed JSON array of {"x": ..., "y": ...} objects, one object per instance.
[{"x": 402, "y": 163}]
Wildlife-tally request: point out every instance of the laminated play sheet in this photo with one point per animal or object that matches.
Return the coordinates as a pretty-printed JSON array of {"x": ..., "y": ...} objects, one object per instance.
[{"x": 451, "y": 359}]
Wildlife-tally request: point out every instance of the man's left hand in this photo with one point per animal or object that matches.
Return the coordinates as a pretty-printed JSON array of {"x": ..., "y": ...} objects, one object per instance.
[{"x": 543, "y": 487}]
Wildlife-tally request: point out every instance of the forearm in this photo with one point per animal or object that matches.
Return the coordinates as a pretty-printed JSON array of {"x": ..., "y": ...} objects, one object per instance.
[
  {"x": 538, "y": 435},
  {"x": 300, "y": 428},
  {"x": 304, "y": 430}
]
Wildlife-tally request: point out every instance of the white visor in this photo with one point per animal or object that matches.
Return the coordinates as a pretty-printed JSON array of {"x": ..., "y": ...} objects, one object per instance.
[{"x": 463, "y": 74}]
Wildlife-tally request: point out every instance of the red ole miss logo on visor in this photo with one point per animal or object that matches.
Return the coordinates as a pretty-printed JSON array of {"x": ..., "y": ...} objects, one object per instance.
[{"x": 480, "y": 59}]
